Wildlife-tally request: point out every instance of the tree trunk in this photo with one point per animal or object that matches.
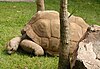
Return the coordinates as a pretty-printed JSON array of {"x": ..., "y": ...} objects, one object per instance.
[
  {"x": 64, "y": 60},
  {"x": 40, "y": 5}
]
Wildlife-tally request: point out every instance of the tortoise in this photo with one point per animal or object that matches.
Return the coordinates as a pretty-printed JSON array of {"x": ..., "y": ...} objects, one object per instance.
[{"x": 42, "y": 33}]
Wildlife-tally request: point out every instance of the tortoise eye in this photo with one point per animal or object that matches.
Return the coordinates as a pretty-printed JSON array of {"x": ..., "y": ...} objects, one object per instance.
[{"x": 11, "y": 49}]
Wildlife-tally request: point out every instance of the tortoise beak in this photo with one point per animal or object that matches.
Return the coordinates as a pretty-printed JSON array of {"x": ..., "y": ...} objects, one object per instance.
[{"x": 10, "y": 51}]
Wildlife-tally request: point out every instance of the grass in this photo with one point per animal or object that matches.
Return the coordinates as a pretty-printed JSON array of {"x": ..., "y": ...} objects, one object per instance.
[
  {"x": 89, "y": 10},
  {"x": 13, "y": 17}
]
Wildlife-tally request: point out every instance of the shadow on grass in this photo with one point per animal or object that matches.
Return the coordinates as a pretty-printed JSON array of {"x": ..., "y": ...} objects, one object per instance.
[{"x": 21, "y": 52}]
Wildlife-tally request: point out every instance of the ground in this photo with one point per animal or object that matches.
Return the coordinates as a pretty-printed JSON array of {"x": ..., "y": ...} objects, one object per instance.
[{"x": 13, "y": 17}]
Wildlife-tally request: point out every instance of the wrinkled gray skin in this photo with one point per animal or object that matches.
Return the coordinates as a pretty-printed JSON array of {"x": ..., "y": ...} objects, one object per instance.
[{"x": 26, "y": 44}]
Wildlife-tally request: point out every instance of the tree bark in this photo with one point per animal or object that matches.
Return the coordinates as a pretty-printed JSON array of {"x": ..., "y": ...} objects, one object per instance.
[
  {"x": 40, "y": 5},
  {"x": 64, "y": 60}
]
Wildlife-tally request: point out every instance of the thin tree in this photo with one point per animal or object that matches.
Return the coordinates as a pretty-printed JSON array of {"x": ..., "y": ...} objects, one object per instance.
[
  {"x": 40, "y": 5},
  {"x": 64, "y": 60}
]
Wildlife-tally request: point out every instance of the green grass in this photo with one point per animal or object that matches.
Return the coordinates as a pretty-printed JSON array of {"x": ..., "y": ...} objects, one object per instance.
[
  {"x": 89, "y": 10},
  {"x": 13, "y": 17}
]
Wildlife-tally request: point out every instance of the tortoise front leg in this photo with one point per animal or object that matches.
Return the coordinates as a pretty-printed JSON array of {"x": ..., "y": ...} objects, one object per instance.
[{"x": 31, "y": 46}]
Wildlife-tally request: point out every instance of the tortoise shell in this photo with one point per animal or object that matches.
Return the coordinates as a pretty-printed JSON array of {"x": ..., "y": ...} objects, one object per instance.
[{"x": 44, "y": 29}]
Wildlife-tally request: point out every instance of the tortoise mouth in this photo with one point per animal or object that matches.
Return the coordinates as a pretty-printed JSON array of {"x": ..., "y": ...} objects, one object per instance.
[{"x": 10, "y": 51}]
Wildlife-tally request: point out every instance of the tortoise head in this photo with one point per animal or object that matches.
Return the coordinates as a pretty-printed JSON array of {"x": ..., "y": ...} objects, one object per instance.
[{"x": 11, "y": 48}]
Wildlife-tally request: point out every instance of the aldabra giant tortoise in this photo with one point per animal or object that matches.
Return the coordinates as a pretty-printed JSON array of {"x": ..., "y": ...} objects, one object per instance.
[{"x": 42, "y": 33}]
